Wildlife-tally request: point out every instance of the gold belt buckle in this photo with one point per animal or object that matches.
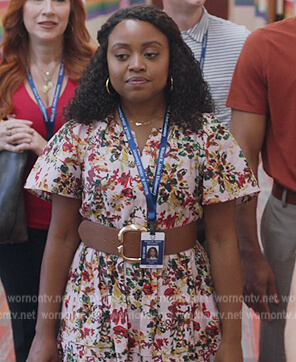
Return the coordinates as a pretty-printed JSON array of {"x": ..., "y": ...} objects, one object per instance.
[{"x": 131, "y": 227}]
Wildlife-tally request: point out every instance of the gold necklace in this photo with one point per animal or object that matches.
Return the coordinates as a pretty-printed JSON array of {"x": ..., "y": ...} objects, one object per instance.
[
  {"x": 47, "y": 77},
  {"x": 139, "y": 124}
]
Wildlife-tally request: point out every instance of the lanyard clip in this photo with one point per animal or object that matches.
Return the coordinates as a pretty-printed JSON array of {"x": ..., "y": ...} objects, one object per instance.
[{"x": 151, "y": 226}]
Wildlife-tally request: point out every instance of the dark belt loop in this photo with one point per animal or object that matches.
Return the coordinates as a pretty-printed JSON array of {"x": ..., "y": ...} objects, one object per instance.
[
  {"x": 283, "y": 194},
  {"x": 284, "y": 198}
]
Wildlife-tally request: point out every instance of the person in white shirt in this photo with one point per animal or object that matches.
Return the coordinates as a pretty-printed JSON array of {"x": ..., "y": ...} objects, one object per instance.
[{"x": 216, "y": 44}]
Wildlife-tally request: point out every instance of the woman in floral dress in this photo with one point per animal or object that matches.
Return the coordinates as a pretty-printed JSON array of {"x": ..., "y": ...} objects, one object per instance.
[{"x": 142, "y": 79}]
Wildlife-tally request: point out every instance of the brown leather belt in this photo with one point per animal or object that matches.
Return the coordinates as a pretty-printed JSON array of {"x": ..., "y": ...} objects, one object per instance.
[
  {"x": 278, "y": 190},
  {"x": 127, "y": 241}
]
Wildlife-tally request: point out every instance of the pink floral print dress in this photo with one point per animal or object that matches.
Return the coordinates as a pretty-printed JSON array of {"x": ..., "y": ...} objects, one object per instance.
[{"x": 116, "y": 311}]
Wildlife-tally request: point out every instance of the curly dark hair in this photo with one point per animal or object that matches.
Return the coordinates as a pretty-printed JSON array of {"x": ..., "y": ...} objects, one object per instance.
[{"x": 190, "y": 95}]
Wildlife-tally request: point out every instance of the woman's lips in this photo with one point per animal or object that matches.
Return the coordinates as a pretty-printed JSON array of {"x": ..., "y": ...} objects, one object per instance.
[
  {"x": 47, "y": 24},
  {"x": 137, "y": 81}
]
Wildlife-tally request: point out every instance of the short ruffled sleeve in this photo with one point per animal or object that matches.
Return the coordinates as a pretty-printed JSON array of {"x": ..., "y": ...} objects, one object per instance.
[
  {"x": 226, "y": 173},
  {"x": 58, "y": 169}
]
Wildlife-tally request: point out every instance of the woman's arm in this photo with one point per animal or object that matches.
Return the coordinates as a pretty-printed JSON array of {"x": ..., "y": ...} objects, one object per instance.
[
  {"x": 226, "y": 271},
  {"x": 61, "y": 245}
]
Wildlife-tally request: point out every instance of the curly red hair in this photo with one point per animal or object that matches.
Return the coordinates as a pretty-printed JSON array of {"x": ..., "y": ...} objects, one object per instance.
[{"x": 77, "y": 49}]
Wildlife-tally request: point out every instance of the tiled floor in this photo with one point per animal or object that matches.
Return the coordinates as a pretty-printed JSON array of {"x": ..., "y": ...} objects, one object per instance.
[{"x": 6, "y": 343}]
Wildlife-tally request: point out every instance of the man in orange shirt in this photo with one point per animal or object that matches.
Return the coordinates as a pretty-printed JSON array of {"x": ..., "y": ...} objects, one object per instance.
[{"x": 262, "y": 96}]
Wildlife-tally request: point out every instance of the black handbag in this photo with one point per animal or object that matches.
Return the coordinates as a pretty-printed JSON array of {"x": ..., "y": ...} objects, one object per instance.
[{"x": 13, "y": 224}]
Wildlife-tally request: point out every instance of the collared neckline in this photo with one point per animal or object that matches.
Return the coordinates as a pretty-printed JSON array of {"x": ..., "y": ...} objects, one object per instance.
[{"x": 198, "y": 30}]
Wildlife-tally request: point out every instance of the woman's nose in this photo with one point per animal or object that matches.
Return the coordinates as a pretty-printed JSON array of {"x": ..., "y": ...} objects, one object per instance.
[
  {"x": 47, "y": 6},
  {"x": 137, "y": 63}
]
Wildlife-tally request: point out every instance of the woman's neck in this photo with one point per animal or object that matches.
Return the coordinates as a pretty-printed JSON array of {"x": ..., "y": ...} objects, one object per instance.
[
  {"x": 45, "y": 54},
  {"x": 143, "y": 118},
  {"x": 142, "y": 114},
  {"x": 44, "y": 63}
]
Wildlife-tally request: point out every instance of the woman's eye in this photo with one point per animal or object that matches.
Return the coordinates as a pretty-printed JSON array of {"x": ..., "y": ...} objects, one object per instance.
[
  {"x": 151, "y": 55},
  {"x": 121, "y": 56}
]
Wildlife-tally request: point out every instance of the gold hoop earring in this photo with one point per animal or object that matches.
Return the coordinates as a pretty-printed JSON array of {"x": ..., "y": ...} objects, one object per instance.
[
  {"x": 170, "y": 84},
  {"x": 107, "y": 87}
]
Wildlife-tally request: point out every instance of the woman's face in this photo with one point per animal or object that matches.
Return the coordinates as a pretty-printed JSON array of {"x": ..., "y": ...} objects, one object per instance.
[
  {"x": 152, "y": 252},
  {"x": 138, "y": 57},
  {"x": 46, "y": 19}
]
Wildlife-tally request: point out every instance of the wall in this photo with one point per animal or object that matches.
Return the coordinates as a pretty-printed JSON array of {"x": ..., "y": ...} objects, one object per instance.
[
  {"x": 95, "y": 24},
  {"x": 245, "y": 15}
]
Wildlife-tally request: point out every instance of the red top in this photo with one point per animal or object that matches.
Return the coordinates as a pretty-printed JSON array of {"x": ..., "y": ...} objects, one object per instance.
[
  {"x": 38, "y": 211},
  {"x": 264, "y": 83}
]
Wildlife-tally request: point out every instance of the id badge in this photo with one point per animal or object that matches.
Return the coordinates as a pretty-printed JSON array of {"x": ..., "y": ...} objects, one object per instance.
[{"x": 152, "y": 250}]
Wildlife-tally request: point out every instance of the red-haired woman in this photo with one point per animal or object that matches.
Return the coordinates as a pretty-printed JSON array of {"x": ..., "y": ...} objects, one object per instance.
[{"x": 45, "y": 50}]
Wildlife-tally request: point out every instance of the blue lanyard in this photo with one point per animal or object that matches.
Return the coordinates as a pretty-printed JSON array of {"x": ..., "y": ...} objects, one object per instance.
[
  {"x": 151, "y": 196},
  {"x": 203, "y": 50},
  {"x": 49, "y": 123}
]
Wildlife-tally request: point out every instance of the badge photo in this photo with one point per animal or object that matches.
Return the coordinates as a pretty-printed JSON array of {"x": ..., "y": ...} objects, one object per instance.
[{"x": 152, "y": 250}]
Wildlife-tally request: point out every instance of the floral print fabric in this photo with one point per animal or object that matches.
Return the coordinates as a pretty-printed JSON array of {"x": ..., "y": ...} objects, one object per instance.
[{"x": 113, "y": 310}]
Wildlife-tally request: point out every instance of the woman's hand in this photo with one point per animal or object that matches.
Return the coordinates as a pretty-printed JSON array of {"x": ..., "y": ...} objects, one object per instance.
[
  {"x": 43, "y": 349},
  {"x": 17, "y": 135},
  {"x": 13, "y": 133},
  {"x": 229, "y": 352}
]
